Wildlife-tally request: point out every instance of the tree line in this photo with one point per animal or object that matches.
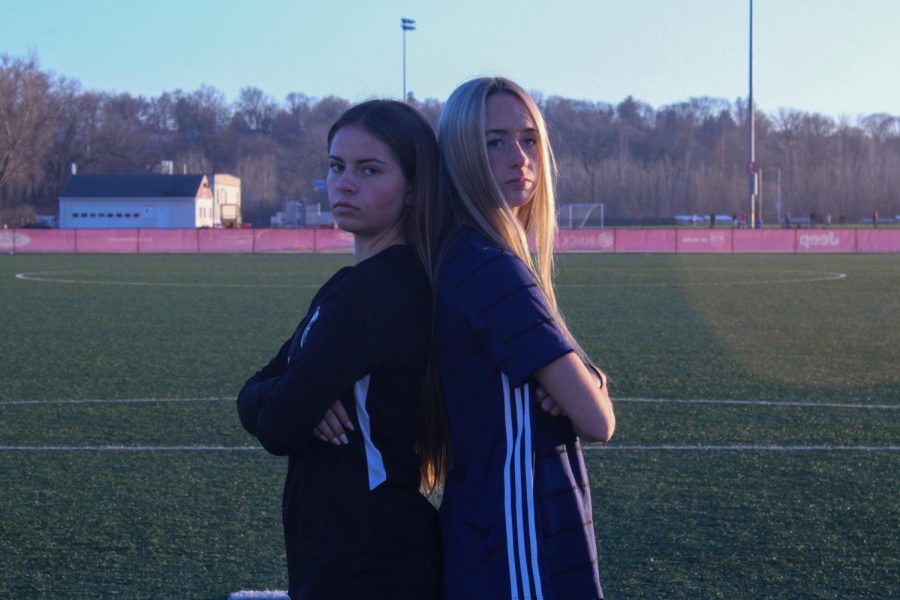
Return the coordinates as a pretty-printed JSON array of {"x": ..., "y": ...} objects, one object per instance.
[{"x": 643, "y": 163}]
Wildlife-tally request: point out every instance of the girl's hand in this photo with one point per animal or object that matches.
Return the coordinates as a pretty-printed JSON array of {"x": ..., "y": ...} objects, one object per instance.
[
  {"x": 581, "y": 393},
  {"x": 547, "y": 403},
  {"x": 332, "y": 428}
]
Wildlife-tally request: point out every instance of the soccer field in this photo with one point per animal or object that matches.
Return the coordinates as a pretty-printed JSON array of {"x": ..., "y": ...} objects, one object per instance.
[{"x": 757, "y": 453}]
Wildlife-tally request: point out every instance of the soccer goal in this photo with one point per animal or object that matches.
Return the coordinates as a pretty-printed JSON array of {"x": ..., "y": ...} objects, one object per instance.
[{"x": 582, "y": 216}]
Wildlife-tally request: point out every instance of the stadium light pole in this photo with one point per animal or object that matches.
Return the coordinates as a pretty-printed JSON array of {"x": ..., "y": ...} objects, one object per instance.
[
  {"x": 752, "y": 168},
  {"x": 406, "y": 25}
]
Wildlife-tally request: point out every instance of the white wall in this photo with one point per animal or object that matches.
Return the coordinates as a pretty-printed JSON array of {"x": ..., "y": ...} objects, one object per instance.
[
  {"x": 110, "y": 213},
  {"x": 227, "y": 190},
  {"x": 204, "y": 212}
]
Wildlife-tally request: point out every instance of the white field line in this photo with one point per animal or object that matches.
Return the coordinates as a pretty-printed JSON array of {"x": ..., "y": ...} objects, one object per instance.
[
  {"x": 114, "y": 401},
  {"x": 615, "y": 400},
  {"x": 35, "y": 276},
  {"x": 586, "y": 447},
  {"x": 254, "y": 595},
  {"x": 116, "y": 448},
  {"x": 737, "y": 448},
  {"x": 822, "y": 277},
  {"x": 762, "y": 403},
  {"x": 49, "y": 277}
]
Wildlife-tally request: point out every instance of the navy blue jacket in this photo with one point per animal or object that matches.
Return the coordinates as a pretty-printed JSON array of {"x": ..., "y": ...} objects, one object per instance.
[
  {"x": 516, "y": 517},
  {"x": 355, "y": 524}
]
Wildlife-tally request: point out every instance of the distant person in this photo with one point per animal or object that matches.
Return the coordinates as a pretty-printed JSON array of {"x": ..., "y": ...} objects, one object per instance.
[
  {"x": 828, "y": 220},
  {"x": 744, "y": 219},
  {"x": 787, "y": 220},
  {"x": 875, "y": 218},
  {"x": 342, "y": 396},
  {"x": 842, "y": 219},
  {"x": 517, "y": 389},
  {"x": 812, "y": 219},
  {"x": 734, "y": 220},
  {"x": 712, "y": 220}
]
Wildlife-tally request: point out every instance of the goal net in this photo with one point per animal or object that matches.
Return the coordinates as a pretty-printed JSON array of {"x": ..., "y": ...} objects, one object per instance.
[{"x": 581, "y": 216}]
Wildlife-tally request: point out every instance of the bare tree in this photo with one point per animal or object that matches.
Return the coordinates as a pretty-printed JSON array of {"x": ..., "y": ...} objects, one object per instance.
[
  {"x": 255, "y": 110},
  {"x": 26, "y": 127},
  {"x": 640, "y": 161}
]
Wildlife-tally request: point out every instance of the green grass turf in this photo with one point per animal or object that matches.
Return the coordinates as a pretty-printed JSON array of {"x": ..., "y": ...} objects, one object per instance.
[{"x": 670, "y": 524}]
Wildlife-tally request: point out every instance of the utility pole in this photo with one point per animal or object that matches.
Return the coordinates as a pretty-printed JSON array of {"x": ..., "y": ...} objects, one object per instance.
[
  {"x": 752, "y": 168},
  {"x": 780, "y": 205},
  {"x": 406, "y": 25}
]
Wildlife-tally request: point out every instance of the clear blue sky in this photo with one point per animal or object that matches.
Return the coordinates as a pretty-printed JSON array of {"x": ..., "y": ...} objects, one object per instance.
[{"x": 836, "y": 57}]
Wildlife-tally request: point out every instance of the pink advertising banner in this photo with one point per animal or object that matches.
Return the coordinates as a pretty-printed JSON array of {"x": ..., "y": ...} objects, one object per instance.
[
  {"x": 106, "y": 241},
  {"x": 765, "y": 240},
  {"x": 8, "y": 240},
  {"x": 212, "y": 241},
  {"x": 585, "y": 240},
  {"x": 645, "y": 240},
  {"x": 37, "y": 241},
  {"x": 826, "y": 240},
  {"x": 245, "y": 241},
  {"x": 703, "y": 240},
  {"x": 333, "y": 240},
  {"x": 284, "y": 240},
  {"x": 308, "y": 240},
  {"x": 878, "y": 240},
  {"x": 167, "y": 241}
]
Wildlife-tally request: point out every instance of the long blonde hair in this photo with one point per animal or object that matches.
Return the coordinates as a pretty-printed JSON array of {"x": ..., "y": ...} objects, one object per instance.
[
  {"x": 468, "y": 185},
  {"x": 469, "y": 194}
]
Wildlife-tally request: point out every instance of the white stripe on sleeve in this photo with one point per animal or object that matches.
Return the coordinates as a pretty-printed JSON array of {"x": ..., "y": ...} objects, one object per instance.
[
  {"x": 520, "y": 522},
  {"x": 529, "y": 498},
  {"x": 507, "y": 493},
  {"x": 377, "y": 473}
]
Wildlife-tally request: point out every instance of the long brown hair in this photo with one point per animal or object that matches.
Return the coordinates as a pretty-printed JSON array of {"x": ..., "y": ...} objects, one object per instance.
[{"x": 411, "y": 139}]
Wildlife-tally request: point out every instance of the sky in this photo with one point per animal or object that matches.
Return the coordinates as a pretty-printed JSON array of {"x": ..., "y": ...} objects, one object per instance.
[{"x": 835, "y": 57}]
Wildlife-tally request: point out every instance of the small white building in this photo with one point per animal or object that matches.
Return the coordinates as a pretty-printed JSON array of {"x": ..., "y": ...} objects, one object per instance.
[
  {"x": 226, "y": 191},
  {"x": 145, "y": 201}
]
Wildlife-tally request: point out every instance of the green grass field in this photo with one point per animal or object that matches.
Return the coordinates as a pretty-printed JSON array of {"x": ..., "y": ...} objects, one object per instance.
[{"x": 756, "y": 499}]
